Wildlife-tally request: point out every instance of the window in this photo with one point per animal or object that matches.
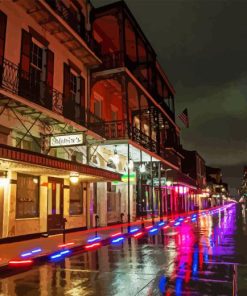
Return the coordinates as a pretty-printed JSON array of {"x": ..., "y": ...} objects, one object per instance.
[
  {"x": 32, "y": 144},
  {"x": 27, "y": 196},
  {"x": 36, "y": 66},
  {"x": 73, "y": 86},
  {"x": 111, "y": 197},
  {"x": 76, "y": 198}
]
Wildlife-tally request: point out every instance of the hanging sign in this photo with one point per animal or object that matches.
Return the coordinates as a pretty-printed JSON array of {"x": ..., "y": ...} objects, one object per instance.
[{"x": 67, "y": 140}]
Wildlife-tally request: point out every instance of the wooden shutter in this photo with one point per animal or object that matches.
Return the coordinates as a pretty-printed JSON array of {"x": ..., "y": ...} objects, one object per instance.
[
  {"x": 82, "y": 98},
  {"x": 66, "y": 92},
  {"x": 25, "y": 63},
  {"x": 49, "y": 77},
  {"x": 49, "y": 68},
  {"x": 3, "y": 23}
]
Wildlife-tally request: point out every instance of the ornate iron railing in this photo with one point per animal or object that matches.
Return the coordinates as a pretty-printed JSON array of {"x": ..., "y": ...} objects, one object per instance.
[
  {"x": 17, "y": 81},
  {"x": 77, "y": 25}
]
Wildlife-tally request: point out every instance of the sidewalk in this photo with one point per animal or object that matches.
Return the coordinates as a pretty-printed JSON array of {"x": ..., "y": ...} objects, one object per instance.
[{"x": 10, "y": 251}]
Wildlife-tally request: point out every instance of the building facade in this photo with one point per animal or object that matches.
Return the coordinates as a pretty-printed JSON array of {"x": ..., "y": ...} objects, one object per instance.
[
  {"x": 133, "y": 105},
  {"x": 46, "y": 53},
  {"x": 87, "y": 120},
  {"x": 193, "y": 165}
]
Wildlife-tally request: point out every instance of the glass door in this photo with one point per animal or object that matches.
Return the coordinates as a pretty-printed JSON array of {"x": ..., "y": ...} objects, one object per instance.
[{"x": 55, "y": 204}]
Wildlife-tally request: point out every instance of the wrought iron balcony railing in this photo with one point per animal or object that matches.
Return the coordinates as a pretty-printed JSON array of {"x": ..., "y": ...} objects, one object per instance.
[
  {"x": 17, "y": 81},
  {"x": 77, "y": 25}
]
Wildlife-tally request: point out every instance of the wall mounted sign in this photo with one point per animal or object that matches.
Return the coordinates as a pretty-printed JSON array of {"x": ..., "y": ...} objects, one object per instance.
[{"x": 67, "y": 140}]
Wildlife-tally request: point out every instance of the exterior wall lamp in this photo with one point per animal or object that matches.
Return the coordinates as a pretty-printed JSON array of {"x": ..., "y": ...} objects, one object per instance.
[
  {"x": 115, "y": 157},
  {"x": 74, "y": 177},
  {"x": 4, "y": 180}
]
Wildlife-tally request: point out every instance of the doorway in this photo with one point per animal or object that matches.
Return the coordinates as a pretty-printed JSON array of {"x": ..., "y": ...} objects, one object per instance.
[
  {"x": 55, "y": 204},
  {"x": 1, "y": 210}
]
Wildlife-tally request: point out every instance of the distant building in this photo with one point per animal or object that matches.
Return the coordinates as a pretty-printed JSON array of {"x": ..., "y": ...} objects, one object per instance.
[
  {"x": 243, "y": 187},
  {"x": 218, "y": 189}
]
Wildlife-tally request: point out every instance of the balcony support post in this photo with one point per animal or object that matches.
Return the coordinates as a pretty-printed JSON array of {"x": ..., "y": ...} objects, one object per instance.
[
  {"x": 128, "y": 188},
  {"x": 160, "y": 192},
  {"x": 152, "y": 189}
]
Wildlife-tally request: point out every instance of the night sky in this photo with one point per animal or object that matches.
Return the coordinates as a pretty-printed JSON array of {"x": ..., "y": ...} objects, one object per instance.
[{"x": 202, "y": 46}]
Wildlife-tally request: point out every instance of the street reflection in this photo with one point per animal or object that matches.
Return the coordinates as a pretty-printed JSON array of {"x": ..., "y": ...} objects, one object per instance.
[{"x": 184, "y": 260}]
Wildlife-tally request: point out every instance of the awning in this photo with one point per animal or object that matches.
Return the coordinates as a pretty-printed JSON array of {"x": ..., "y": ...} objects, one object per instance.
[{"x": 19, "y": 160}]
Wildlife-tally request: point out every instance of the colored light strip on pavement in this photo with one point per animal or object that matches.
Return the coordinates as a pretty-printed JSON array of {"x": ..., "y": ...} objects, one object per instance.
[
  {"x": 177, "y": 223},
  {"x": 148, "y": 227},
  {"x": 35, "y": 251},
  {"x": 30, "y": 253},
  {"x": 117, "y": 240},
  {"x": 65, "y": 252},
  {"x": 116, "y": 234},
  {"x": 153, "y": 230},
  {"x": 95, "y": 239},
  {"x": 134, "y": 230},
  {"x": 166, "y": 227},
  {"x": 88, "y": 247},
  {"x": 66, "y": 245},
  {"x": 138, "y": 234},
  {"x": 161, "y": 223},
  {"x": 20, "y": 263},
  {"x": 60, "y": 254}
]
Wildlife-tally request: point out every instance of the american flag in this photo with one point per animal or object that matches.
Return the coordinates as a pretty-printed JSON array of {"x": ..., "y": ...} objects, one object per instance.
[{"x": 184, "y": 117}]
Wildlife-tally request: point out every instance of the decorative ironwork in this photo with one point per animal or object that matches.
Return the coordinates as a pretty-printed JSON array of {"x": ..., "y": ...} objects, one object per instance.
[
  {"x": 19, "y": 82},
  {"x": 77, "y": 25}
]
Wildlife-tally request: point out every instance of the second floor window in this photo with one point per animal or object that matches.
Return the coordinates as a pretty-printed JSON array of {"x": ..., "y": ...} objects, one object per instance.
[
  {"x": 73, "y": 86},
  {"x": 36, "y": 64}
]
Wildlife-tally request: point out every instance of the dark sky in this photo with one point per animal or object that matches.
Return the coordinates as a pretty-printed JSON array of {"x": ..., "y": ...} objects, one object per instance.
[{"x": 202, "y": 46}]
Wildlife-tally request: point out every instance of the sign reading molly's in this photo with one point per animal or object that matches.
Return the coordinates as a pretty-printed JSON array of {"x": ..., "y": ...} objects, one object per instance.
[{"x": 66, "y": 140}]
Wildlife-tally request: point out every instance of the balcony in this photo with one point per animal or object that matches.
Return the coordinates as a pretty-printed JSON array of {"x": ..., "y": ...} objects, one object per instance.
[
  {"x": 122, "y": 130},
  {"x": 64, "y": 25},
  {"x": 18, "y": 82}
]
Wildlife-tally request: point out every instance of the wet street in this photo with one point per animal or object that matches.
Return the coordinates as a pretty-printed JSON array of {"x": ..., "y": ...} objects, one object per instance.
[{"x": 206, "y": 257}]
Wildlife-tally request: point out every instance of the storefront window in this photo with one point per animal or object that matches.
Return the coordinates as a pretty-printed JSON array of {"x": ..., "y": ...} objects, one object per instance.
[
  {"x": 27, "y": 196},
  {"x": 76, "y": 199}
]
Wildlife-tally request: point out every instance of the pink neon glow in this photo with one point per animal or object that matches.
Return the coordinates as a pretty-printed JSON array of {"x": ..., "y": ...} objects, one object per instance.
[
  {"x": 116, "y": 234},
  {"x": 148, "y": 227},
  {"x": 181, "y": 189},
  {"x": 165, "y": 227},
  {"x": 20, "y": 262},
  {"x": 66, "y": 245},
  {"x": 92, "y": 246},
  {"x": 138, "y": 234}
]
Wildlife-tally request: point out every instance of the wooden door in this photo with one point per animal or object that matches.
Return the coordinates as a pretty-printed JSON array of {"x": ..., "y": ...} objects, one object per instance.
[{"x": 55, "y": 204}]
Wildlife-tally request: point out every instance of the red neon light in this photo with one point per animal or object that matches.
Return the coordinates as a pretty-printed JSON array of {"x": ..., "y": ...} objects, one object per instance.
[
  {"x": 66, "y": 245},
  {"x": 165, "y": 227},
  {"x": 20, "y": 262},
  {"x": 138, "y": 234},
  {"x": 148, "y": 227},
  {"x": 116, "y": 234},
  {"x": 92, "y": 246}
]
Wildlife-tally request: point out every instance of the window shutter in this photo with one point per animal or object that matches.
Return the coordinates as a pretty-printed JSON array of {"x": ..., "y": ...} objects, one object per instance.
[
  {"x": 82, "y": 98},
  {"x": 49, "y": 77},
  {"x": 49, "y": 68},
  {"x": 25, "y": 63},
  {"x": 3, "y": 23},
  {"x": 66, "y": 92}
]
